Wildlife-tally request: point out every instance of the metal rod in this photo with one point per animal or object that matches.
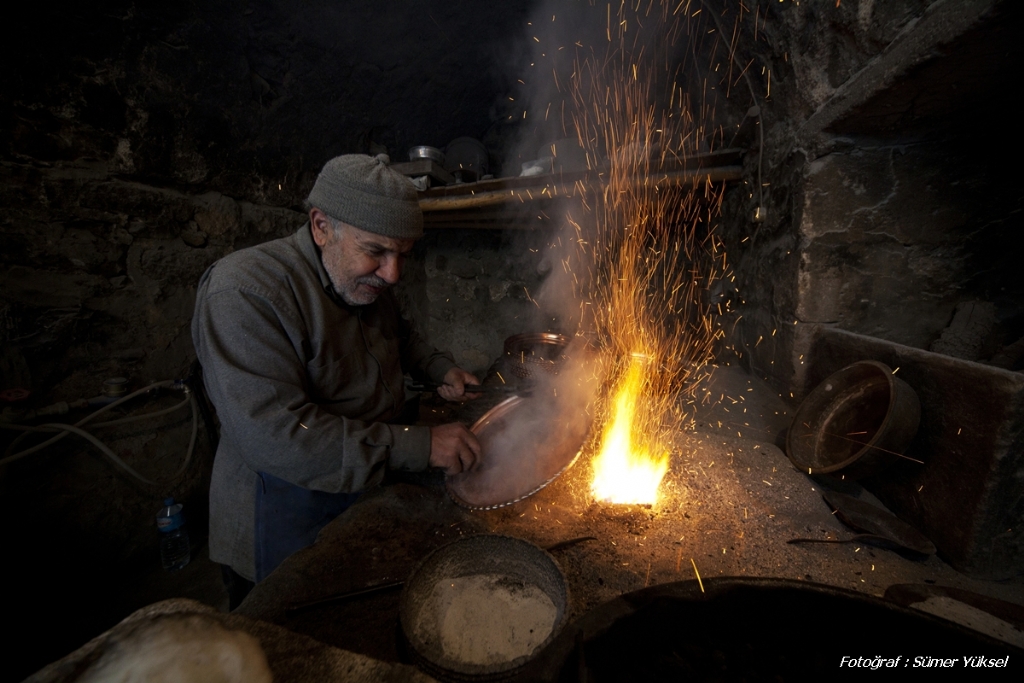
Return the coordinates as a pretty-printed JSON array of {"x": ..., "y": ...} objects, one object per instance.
[{"x": 491, "y": 198}]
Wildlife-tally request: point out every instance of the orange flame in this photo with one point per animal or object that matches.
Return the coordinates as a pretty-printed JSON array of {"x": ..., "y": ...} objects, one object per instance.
[
  {"x": 625, "y": 470},
  {"x": 647, "y": 257}
]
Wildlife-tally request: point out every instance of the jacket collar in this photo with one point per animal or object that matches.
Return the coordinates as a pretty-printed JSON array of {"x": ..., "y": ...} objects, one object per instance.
[{"x": 307, "y": 247}]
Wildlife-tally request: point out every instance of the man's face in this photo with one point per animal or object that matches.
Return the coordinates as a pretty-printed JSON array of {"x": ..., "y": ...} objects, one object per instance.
[{"x": 360, "y": 264}]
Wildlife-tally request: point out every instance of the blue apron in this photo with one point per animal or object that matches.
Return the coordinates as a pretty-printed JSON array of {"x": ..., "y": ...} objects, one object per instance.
[{"x": 288, "y": 518}]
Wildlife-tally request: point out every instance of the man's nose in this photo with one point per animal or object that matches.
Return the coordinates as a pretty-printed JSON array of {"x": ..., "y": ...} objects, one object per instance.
[{"x": 390, "y": 269}]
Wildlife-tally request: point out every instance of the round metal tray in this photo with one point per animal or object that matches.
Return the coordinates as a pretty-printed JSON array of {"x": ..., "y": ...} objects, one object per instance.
[{"x": 527, "y": 443}]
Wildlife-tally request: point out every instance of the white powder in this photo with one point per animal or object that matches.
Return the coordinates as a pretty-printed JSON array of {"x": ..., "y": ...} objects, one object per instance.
[{"x": 486, "y": 618}]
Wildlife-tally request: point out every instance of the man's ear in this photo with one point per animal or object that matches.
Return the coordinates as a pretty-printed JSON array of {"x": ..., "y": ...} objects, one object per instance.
[{"x": 320, "y": 226}]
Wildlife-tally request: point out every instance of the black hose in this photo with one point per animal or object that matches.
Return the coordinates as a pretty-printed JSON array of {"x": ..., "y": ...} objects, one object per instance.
[{"x": 195, "y": 383}]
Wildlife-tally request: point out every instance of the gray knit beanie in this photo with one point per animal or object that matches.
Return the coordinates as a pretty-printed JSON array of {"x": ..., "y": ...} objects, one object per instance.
[{"x": 362, "y": 191}]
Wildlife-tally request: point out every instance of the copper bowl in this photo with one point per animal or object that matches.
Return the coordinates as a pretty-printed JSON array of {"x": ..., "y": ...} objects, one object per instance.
[{"x": 856, "y": 423}]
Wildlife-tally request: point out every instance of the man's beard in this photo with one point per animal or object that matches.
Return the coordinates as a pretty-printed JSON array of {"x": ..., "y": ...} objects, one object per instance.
[{"x": 371, "y": 280}]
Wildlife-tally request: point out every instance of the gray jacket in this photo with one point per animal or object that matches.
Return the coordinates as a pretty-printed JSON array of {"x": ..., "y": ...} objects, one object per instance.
[{"x": 303, "y": 384}]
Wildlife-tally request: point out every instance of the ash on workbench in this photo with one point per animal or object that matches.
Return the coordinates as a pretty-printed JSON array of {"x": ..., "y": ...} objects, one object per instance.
[{"x": 728, "y": 506}]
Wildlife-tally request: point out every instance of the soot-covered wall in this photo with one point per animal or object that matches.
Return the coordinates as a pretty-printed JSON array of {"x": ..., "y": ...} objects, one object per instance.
[{"x": 887, "y": 202}]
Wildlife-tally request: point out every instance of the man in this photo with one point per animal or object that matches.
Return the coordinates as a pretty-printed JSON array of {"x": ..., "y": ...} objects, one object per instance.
[{"x": 303, "y": 349}]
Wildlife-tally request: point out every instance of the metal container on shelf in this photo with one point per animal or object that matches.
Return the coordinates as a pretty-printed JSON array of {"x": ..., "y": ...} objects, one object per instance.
[
  {"x": 856, "y": 423},
  {"x": 466, "y": 159},
  {"x": 427, "y": 152}
]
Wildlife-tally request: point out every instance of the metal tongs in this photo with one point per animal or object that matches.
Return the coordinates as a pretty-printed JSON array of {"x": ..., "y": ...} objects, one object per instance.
[
  {"x": 413, "y": 385},
  {"x": 877, "y": 526}
]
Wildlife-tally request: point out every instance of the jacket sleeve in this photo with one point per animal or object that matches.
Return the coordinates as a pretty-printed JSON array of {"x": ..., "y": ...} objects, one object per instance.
[
  {"x": 251, "y": 349},
  {"x": 419, "y": 358}
]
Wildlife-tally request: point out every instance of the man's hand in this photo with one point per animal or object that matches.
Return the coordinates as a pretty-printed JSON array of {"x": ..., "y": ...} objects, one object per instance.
[
  {"x": 454, "y": 387},
  {"x": 453, "y": 448}
]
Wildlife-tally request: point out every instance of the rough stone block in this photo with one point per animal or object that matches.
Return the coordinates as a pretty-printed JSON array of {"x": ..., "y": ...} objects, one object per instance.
[
  {"x": 966, "y": 335},
  {"x": 48, "y": 289},
  {"x": 881, "y": 233},
  {"x": 968, "y": 495},
  {"x": 216, "y": 214}
]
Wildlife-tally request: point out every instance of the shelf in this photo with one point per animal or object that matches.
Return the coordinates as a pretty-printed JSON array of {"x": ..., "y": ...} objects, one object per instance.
[{"x": 532, "y": 202}]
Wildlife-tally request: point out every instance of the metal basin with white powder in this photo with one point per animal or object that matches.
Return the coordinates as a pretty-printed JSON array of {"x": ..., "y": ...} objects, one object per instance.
[{"x": 481, "y": 607}]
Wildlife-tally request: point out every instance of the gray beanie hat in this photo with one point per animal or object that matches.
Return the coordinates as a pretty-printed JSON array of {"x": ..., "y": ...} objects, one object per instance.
[{"x": 362, "y": 191}]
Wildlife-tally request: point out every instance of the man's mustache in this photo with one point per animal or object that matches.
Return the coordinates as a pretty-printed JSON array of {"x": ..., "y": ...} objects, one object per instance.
[{"x": 373, "y": 281}]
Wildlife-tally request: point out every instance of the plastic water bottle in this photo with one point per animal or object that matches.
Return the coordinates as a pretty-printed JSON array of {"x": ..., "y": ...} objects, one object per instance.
[{"x": 174, "y": 549}]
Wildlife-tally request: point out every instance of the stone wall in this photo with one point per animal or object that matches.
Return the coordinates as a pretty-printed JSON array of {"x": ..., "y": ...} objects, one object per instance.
[
  {"x": 99, "y": 278},
  {"x": 884, "y": 211},
  {"x": 250, "y": 97},
  {"x": 807, "y": 52},
  {"x": 100, "y": 272},
  {"x": 480, "y": 287},
  {"x": 889, "y": 237}
]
